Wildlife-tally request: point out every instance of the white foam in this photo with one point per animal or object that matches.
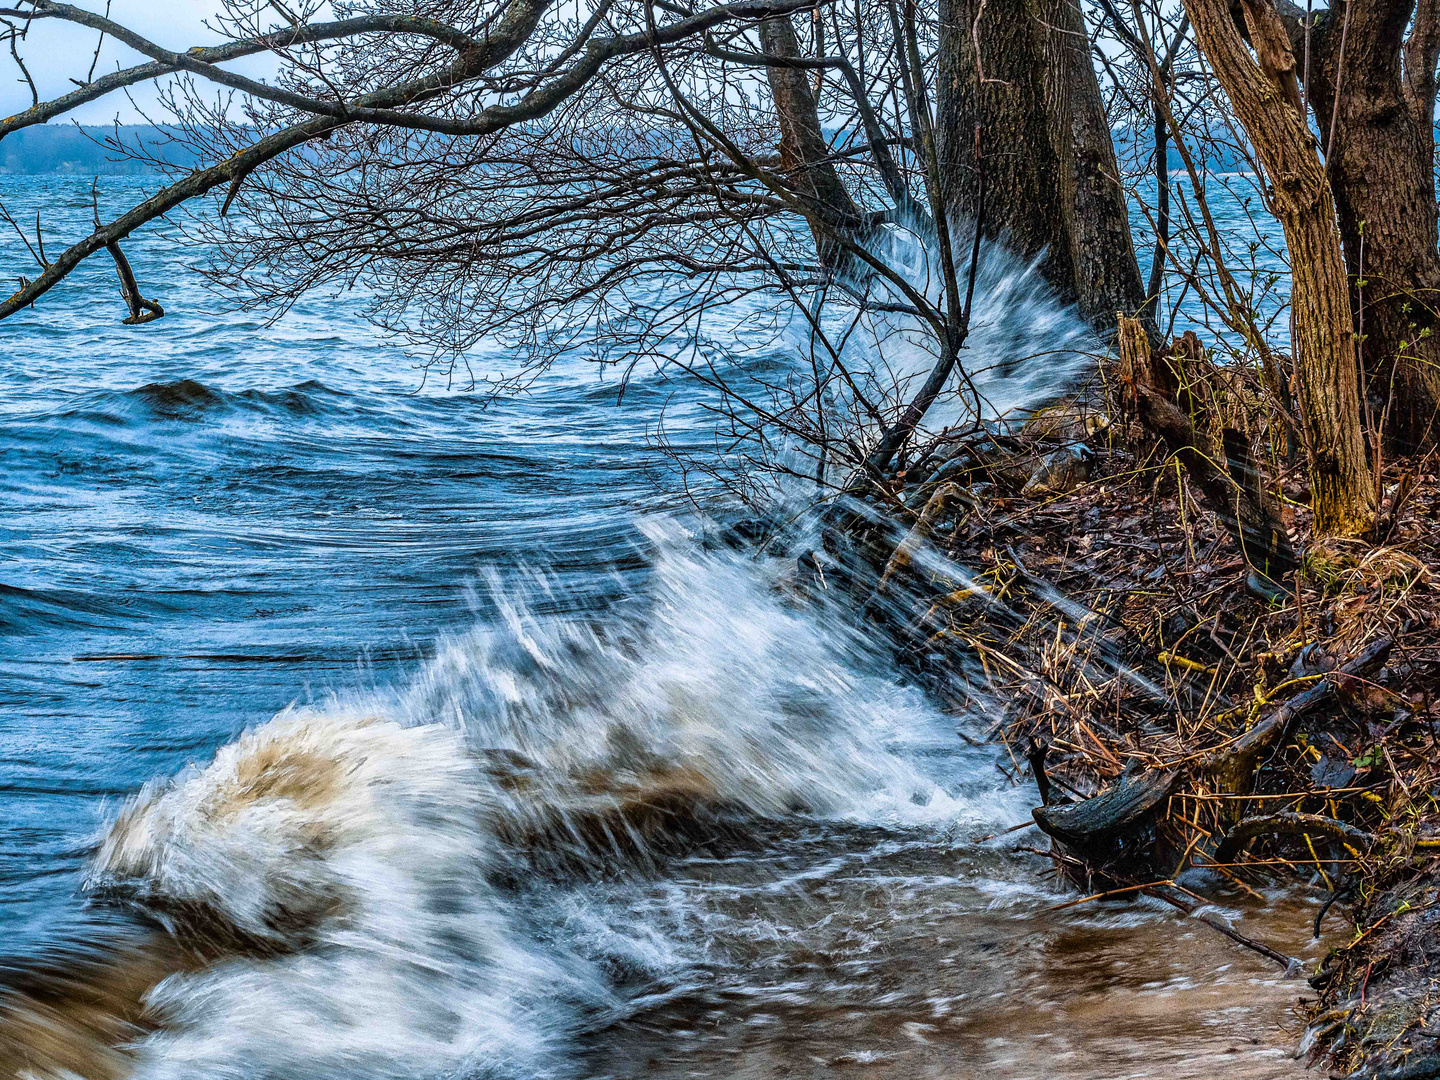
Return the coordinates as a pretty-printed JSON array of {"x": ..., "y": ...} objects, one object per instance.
[
  {"x": 365, "y": 839},
  {"x": 717, "y": 676},
  {"x": 360, "y": 841},
  {"x": 1024, "y": 346}
]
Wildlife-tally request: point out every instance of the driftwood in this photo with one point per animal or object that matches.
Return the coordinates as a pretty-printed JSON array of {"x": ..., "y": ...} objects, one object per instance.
[
  {"x": 1243, "y": 507},
  {"x": 1235, "y": 766},
  {"x": 1291, "y": 964},
  {"x": 915, "y": 539},
  {"x": 1123, "y": 808},
  {"x": 1096, "y": 828},
  {"x": 1288, "y": 823}
]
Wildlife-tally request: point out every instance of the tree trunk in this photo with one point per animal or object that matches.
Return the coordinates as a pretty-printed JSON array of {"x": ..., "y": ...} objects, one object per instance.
[
  {"x": 1053, "y": 178},
  {"x": 804, "y": 154},
  {"x": 1381, "y": 170},
  {"x": 1003, "y": 91},
  {"x": 1266, "y": 99},
  {"x": 1422, "y": 50},
  {"x": 1243, "y": 506},
  {"x": 1102, "y": 251}
]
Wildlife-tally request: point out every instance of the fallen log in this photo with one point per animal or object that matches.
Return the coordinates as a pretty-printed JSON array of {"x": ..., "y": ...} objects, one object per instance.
[
  {"x": 915, "y": 539},
  {"x": 1120, "y": 810},
  {"x": 1287, "y": 823},
  {"x": 1235, "y": 765}
]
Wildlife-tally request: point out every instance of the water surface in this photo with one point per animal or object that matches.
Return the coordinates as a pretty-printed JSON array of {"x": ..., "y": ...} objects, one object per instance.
[{"x": 560, "y": 791}]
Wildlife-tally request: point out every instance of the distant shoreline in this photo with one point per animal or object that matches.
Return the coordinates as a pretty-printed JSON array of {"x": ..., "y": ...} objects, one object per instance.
[
  {"x": 69, "y": 149},
  {"x": 80, "y": 150}
]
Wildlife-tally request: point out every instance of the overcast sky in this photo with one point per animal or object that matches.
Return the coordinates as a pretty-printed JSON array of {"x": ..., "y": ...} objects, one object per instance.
[{"x": 55, "y": 52}]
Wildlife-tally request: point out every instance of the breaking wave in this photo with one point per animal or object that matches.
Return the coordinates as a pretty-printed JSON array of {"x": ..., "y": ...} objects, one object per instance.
[{"x": 403, "y": 875}]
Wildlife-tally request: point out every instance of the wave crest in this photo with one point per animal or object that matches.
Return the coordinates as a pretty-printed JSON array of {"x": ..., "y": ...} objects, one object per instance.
[{"x": 411, "y": 864}]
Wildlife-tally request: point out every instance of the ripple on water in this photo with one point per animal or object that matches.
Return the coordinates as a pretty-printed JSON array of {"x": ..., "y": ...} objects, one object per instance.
[{"x": 653, "y": 821}]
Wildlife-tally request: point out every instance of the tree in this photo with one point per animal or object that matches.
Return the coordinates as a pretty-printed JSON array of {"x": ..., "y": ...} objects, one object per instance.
[
  {"x": 606, "y": 176},
  {"x": 392, "y": 64},
  {"x": 1373, "y": 92},
  {"x": 1021, "y": 71},
  {"x": 1265, "y": 93}
]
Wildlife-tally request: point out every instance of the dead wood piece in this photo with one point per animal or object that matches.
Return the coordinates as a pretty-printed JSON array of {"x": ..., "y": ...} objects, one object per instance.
[
  {"x": 1291, "y": 964},
  {"x": 954, "y": 469},
  {"x": 1235, "y": 766},
  {"x": 1247, "y": 514},
  {"x": 934, "y": 510},
  {"x": 1287, "y": 823},
  {"x": 1122, "y": 808}
]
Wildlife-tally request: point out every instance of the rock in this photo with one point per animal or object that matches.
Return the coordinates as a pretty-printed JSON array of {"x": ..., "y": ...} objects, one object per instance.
[
  {"x": 742, "y": 535},
  {"x": 1331, "y": 772},
  {"x": 1060, "y": 471},
  {"x": 1069, "y": 421}
]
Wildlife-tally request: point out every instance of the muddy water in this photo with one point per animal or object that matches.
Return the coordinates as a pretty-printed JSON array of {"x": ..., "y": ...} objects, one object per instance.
[
  {"x": 350, "y": 731},
  {"x": 912, "y": 959},
  {"x": 819, "y": 950}
]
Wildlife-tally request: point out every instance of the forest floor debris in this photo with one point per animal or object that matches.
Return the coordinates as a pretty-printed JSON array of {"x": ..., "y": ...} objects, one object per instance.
[{"x": 1122, "y": 644}]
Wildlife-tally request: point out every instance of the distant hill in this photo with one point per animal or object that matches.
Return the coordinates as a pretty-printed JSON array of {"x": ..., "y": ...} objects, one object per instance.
[
  {"x": 65, "y": 148},
  {"x": 1133, "y": 144}
]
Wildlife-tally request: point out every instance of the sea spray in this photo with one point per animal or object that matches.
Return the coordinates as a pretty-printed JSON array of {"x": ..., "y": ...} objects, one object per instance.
[
  {"x": 408, "y": 859},
  {"x": 776, "y": 705},
  {"x": 409, "y": 868},
  {"x": 1024, "y": 348}
]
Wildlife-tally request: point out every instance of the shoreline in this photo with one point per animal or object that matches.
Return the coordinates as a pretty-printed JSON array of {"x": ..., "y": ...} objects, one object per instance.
[{"x": 1177, "y": 713}]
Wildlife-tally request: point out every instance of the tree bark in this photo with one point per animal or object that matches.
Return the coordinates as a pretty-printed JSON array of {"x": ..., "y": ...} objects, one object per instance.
[
  {"x": 804, "y": 154},
  {"x": 1054, "y": 180},
  {"x": 1381, "y": 167},
  {"x": 1003, "y": 91},
  {"x": 1266, "y": 98},
  {"x": 1102, "y": 251},
  {"x": 1422, "y": 50}
]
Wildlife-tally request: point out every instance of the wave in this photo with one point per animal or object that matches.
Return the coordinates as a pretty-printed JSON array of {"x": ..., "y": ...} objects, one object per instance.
[
  {"x": 24, "y": 610},
  {"x": 399, "y": 879},
  {"x": 353, "y": 847},
  {"x": 187, "y": 399},
  {"x": 192, "y": 401}
]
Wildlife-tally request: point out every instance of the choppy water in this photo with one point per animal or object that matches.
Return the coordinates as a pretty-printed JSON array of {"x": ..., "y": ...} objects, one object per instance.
[{"x": 553, "y": 790}]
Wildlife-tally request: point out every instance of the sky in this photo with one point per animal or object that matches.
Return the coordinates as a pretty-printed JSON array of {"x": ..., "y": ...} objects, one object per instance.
[{"x": 55, "y": 52}]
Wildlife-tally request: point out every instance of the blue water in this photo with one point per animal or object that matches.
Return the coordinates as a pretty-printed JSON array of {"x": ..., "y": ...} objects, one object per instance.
[
  {"x": 208, "y": 519},
  {"x": 260, "y": 514}
]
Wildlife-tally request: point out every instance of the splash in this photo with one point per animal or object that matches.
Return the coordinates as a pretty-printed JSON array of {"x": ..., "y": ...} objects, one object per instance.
[
  {"x": 1024, "y": 349},
  {"x": 407, "y": 870}
]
